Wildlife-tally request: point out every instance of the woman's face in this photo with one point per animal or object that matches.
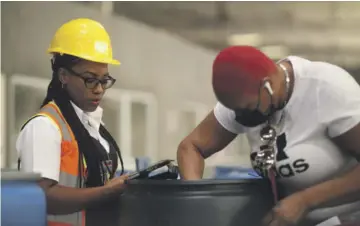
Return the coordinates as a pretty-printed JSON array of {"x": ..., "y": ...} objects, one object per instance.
[{"x": 86, "y": 83}]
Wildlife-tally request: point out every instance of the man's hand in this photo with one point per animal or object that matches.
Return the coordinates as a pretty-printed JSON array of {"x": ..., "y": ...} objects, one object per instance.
[{"x": 288, "y": 212}]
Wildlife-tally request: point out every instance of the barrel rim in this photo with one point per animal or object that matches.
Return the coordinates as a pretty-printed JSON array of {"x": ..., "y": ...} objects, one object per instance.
[
  {"x": 8, "y": 175},
  {"x": 197, "y": 182}
]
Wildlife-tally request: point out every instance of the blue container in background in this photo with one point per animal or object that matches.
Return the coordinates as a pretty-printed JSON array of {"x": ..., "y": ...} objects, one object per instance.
[
  {"x": 23, "y": 201},
  {"x": 225, "y": 172},
  {"x": 142, "y": 163}
]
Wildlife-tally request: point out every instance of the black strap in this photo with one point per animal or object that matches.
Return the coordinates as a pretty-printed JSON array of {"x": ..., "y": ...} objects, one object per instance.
[
  {"x": 23, "y": 126},
  {"x": 19, "y": 163}
]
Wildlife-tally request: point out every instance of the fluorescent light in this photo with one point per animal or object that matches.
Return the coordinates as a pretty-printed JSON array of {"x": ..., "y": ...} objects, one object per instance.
[
  {"x": 275, "y": 51},
  {"x": 251, "y": 39}
]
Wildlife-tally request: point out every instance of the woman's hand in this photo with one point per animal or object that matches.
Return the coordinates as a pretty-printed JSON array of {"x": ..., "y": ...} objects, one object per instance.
[
  {"x": 117, "y": 184},
  {"x": 288, "y": 212}
]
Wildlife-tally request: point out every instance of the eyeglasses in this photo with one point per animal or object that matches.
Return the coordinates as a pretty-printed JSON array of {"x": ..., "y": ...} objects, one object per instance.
[{"x": 92, "y": 83}]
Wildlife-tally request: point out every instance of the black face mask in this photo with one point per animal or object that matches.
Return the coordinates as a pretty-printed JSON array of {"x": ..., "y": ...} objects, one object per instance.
[
  {"x": 253, "y": 118},
  {"x": 250, "y": 118}
]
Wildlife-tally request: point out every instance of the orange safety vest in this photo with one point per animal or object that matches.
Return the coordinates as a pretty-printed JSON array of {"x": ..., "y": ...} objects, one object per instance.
[{"x": 69, "y": 163}]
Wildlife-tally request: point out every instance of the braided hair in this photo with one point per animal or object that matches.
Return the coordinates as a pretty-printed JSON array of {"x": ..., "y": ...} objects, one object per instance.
[{"x": 86, "y": 144}]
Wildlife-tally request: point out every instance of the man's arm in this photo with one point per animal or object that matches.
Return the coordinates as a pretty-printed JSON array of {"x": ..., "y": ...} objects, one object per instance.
[
  {"x": 206, "y": 139},
  {"x": 342, "y": 189},
  {"x": 339, "y": 109}
]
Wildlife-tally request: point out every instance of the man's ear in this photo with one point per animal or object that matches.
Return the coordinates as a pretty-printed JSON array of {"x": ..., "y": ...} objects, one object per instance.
[{"x": 63, "y": 76}]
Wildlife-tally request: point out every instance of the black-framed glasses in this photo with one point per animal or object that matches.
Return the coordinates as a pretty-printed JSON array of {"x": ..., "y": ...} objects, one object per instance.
[{"x": 92, "y": 82}]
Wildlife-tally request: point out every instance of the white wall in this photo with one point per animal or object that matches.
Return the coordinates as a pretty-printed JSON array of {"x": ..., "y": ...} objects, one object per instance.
[{"x": 173, "y": 70}]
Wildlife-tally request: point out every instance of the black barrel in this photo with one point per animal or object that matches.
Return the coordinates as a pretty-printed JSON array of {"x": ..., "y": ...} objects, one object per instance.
[{"x": 194, "y": 203}]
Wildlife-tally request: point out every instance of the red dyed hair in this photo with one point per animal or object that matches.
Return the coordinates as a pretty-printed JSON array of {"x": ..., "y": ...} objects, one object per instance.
[{"x": 240, "y": 70}]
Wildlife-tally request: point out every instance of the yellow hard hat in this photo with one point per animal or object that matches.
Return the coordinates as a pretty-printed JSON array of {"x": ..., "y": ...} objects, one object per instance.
[{"x": 83, "y": 38}]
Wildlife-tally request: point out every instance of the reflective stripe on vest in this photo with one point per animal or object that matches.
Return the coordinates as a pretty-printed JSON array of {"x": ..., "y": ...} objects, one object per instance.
[{"x": 69, "y": 171}]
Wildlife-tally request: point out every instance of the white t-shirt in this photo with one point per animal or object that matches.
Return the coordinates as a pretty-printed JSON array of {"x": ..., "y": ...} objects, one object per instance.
[
  {"x": 39, "y": 143},
  {"x": 325, "y": 103}
]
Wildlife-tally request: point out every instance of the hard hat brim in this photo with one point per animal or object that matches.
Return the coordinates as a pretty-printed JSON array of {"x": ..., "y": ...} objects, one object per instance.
[
  {"x": 114, "y": 62},
  {"x": 89, "y": 58}
]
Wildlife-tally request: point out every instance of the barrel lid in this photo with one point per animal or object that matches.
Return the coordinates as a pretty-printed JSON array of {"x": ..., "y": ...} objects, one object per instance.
[
  {"x": 14, "y": 175},
  {"x": 198, "y": 182},
  {"x": 191, "y": 187}
]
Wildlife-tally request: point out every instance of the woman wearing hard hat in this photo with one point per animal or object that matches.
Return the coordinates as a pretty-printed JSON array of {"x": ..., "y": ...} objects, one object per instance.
[{"x": 66, "y": 141}]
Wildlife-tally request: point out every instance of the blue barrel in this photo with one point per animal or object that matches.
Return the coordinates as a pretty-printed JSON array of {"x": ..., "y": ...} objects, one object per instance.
[{"x": 23, "y": 201}]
